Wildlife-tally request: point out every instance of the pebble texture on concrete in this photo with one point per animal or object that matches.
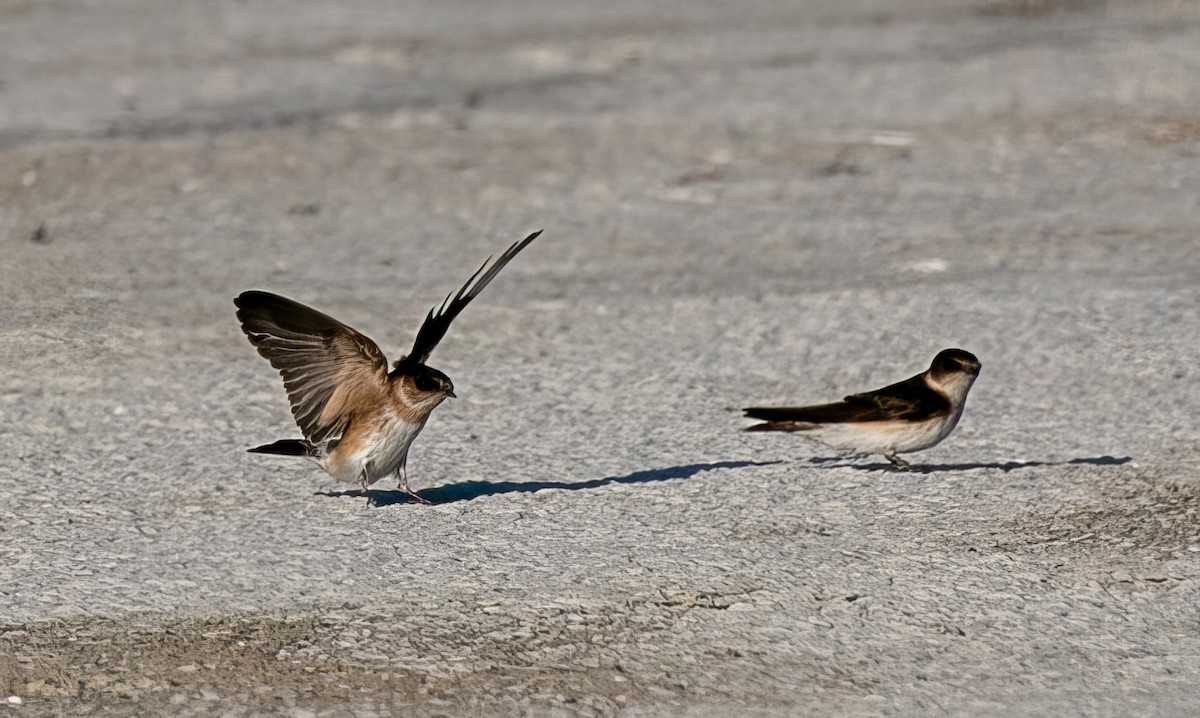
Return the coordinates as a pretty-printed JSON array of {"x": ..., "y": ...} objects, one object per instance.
[{"x": 743, "y": 203}]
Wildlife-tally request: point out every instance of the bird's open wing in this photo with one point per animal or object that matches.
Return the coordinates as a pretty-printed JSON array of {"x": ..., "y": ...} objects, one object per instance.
[
  {"x": 328, "y": 369},
  {"x": 438, "y": 321},
  {"x": 911, "y": 400}
]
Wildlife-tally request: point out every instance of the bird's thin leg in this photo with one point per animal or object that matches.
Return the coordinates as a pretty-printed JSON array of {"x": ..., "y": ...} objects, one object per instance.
[
  {"x": 362, "y": 481},
  {"x": 402, "y": 480},
  {"x": 899, "y": 463}
]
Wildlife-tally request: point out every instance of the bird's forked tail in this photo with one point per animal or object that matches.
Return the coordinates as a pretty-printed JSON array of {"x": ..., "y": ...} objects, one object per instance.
[{"x": 285, "y": 447}]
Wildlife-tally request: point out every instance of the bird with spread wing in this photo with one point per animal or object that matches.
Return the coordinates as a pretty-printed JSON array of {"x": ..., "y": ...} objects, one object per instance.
[{"x": 357, "y": 417}]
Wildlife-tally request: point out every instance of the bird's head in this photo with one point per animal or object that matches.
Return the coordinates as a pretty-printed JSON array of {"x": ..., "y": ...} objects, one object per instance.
[
  {"x": 954, "y": 369},
  {"x": 419, "y": 386}
]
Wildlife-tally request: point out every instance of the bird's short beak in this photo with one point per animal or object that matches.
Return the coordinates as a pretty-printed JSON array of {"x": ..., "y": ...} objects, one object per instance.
[{"x": 450, "y": 393}]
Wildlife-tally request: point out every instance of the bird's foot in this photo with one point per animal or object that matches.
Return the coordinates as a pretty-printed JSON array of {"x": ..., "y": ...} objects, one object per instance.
[
  {"x": 419, "y": 498},
  {"x": 371, "y": 500},
  {"x": 900, "y": 464},
  {"x": 403, "y": 486}
]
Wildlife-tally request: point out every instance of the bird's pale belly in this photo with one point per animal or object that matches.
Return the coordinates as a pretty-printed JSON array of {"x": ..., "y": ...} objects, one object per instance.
[
  {"x": 377, "y": 451},
  {"x": 881, "y": 437}
]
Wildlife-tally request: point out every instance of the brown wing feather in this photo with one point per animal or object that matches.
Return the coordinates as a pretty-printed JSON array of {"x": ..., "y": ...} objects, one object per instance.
[
  {"x": 329, "y": 369},
  {"x": 911, "y": 400},
  {"x": 838, "y": 412}
]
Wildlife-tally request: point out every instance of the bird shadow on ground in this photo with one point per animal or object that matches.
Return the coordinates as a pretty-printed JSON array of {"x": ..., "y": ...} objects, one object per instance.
[
  {"x": 827, "y": 462},
  {"x": 470, "y": 490}
]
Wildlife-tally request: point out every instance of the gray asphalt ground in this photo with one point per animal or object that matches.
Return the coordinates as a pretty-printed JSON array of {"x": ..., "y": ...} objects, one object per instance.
[{"x": 743, "y": 203}]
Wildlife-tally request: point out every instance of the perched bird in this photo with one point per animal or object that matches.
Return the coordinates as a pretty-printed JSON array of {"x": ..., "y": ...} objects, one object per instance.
[
  {"x": 358, "y": 418},
  {"x": 912, "y": 415}
]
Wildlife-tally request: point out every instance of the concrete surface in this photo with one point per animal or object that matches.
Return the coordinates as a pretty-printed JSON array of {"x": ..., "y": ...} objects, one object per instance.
[{"x": 742, "y": 203}]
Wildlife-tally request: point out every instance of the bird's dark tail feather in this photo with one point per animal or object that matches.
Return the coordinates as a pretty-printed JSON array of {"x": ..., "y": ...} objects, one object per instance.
[
  {"x": 285, "y": 447},
  {"x": 787, "y": 418},
  {"x": 782, "y": 426}
]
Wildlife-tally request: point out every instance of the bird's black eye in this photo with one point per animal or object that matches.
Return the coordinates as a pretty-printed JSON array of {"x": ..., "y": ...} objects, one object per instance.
[{"x": 426, "y": 383}]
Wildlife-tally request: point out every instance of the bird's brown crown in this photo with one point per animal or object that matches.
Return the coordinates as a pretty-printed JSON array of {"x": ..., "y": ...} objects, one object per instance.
[
  {"x": 954, "y": 361},
  {"x": 422, "y": 378}
]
